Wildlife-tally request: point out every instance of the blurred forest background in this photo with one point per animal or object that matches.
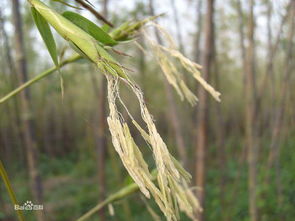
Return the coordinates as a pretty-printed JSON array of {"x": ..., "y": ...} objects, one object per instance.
[{"x": 241, "y": 151}]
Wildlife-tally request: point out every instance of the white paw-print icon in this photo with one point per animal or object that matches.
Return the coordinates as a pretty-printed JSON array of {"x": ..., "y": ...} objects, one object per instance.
[{"x": 28, "y": 205}]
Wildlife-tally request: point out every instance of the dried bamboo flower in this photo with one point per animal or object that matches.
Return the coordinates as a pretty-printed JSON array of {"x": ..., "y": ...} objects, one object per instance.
[
  {"x": 167, "y": 56},
  {"x": 172, "y": 192}
]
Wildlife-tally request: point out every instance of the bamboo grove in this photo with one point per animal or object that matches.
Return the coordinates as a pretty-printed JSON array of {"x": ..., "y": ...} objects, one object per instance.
[{"x": 110, "y": 112}]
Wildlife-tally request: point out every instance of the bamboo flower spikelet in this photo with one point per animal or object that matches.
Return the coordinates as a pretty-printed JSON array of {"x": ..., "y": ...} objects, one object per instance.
[
  {"x": 171, "y": 190},
  {"x": 171, "y": 60}
]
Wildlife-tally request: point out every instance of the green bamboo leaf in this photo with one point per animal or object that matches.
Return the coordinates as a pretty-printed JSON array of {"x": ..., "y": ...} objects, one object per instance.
[
  {"x": 46, "y": 34},
  {"x": 77, "y": 49},
  {"x": 92, "y": 29},
  {"x": 106, "y": 28}
]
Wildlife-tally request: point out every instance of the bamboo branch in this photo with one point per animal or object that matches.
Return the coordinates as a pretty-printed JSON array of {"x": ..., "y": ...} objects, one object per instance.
[
  {"x": 114, "y": 197},
  {"x": 125, "y": 191},
  {"x": 94, "y": 12},
  {"x": 39, "y": 77}
]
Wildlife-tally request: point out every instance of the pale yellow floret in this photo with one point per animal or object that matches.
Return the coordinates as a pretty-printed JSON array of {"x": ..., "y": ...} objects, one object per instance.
[{"x": 173, "y": 63}]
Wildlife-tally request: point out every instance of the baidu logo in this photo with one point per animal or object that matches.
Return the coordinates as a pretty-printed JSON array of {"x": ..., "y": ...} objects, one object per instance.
[{"x": 28, "y": 206}]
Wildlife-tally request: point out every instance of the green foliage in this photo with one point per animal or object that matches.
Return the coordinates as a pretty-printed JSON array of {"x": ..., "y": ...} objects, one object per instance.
[
  {"x": 98, "y": 33},
  {"x": 79, "y": 38},
  {"x": 46, "y": 34}
]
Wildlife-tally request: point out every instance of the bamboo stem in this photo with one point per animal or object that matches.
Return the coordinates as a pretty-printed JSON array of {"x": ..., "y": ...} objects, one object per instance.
[{"x": 10, "y": 191}]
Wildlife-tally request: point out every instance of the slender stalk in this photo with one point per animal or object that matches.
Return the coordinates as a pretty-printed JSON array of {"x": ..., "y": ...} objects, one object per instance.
[
  {"x": 38, "y": 77},
  {"x": 10, "y": 191},
  {"x": 94, "y": 12},
  {"x": 114, "y": 197},
  {"x": 125, "y": 191}
]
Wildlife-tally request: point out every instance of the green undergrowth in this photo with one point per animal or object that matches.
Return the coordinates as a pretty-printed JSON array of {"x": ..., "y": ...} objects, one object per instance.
[{"x": 71, "y": 189}]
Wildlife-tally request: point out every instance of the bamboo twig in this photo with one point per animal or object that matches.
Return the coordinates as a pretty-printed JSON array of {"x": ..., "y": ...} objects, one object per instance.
[
  {"x": 125, "y": 191},
  {"x": 39, "y": 77},
  {"x": 94, "y": 12}
]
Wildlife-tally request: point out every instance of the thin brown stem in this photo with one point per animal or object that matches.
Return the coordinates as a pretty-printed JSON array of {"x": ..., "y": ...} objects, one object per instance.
[{"x": 94, "y": 12}]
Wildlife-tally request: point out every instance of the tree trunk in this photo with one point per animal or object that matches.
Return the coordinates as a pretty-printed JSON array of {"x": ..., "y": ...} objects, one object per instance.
[
  {"x": 173, "y": 115},
  {"x": 102, "y": 133},
  {"x": 269, "y": 47},
  {"x": 13, "y": 109},
  {"x": 197, "y": 57},
  {"x": 100, "y": 137},
  {"x": 102, "y": 144},
  {"x": 250, "y": 110},
  {"x": 242, "y": 37},
  {"x": 220, "y": 134},
  {"x": 267, "y": 85},
  {"x": 27, "y": 124},
  {"x": 199, "y": 31},
  {"x": 202, "y": 114},
  {"x": 279, "y": 114},
  {"x": 177, "y": 25}
]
